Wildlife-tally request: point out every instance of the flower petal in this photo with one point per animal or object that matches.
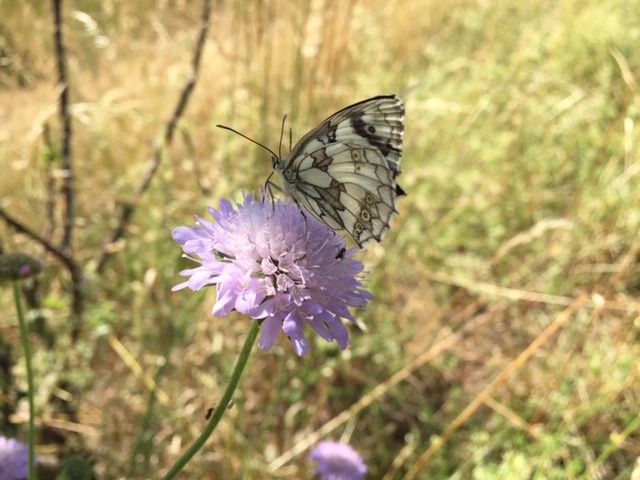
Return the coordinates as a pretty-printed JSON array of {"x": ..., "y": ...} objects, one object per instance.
[{"x": 270, "y": 330}]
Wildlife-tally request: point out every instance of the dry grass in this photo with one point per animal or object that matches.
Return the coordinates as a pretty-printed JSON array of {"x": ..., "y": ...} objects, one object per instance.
[{"x": 507, "y": 294}]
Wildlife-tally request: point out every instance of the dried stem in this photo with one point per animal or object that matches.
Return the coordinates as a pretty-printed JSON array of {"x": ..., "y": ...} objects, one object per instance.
[
  {"x": 67, "y": 167},
  {"x": 154, "y": 162},
  {"x": 65, "y": 121}
]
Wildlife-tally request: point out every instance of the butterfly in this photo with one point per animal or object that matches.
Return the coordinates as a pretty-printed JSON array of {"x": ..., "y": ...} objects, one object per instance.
[{"x": 344, "y": 171}]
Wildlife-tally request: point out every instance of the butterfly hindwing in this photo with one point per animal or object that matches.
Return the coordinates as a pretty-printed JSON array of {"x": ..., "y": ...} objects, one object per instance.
[{"x": 344, "y": 171}]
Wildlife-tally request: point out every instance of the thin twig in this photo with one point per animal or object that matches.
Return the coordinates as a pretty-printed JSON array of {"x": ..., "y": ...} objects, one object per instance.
[
  {"x": 65, "y": 121},
  {"x": 154, "y": 162},
  {"x": 67, "y": 168}
]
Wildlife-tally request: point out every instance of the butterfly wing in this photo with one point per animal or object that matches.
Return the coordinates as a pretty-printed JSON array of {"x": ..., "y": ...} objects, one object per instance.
[{"x": 344, "y": 171}]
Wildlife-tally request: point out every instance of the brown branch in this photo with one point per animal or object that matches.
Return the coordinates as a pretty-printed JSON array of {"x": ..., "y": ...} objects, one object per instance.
[
  {"x": 154, "y": 162},
  {"x": 74, "y": 269},
  {"x": 65, "y": 121},
  {"x": 64, "y": 253}
]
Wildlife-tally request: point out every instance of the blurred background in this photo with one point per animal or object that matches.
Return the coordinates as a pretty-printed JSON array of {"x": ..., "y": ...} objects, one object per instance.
[{"x": 503, "y": 340}]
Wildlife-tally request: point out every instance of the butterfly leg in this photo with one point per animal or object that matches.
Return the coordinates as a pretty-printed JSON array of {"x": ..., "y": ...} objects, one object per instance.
[
  {"x": 306, "y": 224},
  {"x": 269, "y": 186}
]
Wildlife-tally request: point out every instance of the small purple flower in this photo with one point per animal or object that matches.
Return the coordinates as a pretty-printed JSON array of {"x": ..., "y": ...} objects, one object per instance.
[
  {"x": 16, "y": 266},
  {"x": 14, "y": 459},
  {"x": 337, "y": 461},
  {"x": 270, "y": 262}
]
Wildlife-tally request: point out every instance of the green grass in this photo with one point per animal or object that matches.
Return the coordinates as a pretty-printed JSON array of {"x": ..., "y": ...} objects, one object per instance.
[{"x": 522, "y": 174}]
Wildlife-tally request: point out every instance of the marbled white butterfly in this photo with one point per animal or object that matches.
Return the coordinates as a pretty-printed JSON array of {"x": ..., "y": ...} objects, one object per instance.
[{"x": 344, "y": 171}]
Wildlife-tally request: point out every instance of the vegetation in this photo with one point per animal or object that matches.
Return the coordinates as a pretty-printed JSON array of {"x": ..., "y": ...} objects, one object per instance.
[{"x": 503, "y": 340}]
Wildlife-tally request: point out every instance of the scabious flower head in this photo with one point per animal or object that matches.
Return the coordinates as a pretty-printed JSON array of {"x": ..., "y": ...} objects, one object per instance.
[
  {"x": 16, "y": 266},
  {"x": 269, "y": 261},
  {"x": 14, "y": 459},
  {"x": 337, "y": 461}
]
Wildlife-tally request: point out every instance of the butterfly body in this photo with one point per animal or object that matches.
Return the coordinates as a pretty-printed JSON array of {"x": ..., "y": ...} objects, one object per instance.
[{"x": 344, "y": 171}]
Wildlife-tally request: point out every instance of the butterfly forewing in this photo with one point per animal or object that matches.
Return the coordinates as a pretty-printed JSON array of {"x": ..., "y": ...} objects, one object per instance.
[{"x": 344, "y": 171}]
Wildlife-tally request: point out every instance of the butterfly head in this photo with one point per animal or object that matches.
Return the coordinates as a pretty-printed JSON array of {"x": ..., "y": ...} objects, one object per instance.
[{"x": 276, "y": 162}]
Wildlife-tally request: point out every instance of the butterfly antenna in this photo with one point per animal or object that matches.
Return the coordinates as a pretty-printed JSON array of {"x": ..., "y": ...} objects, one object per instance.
[
  {"x": 224, "y": 127},
  {"x": 284, "y": 119},
  {"x": 290, "y": 139}
]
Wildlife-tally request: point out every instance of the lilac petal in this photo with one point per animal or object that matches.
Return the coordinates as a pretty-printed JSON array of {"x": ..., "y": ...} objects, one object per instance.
[
  {"x": 14, "y": 459},
  {"x": 263, "y": 310},
  {"x": 226, "y": 300},
  {"x": 313, "y": 308},
  {"x": 284, "y": 283},
  {"x": 226, "y": 210},
  {"x": 270, "y": 330},
  {"x": 199, "y": 278},
  {"x": 180, "y": 286},
  {"x": 342, "y": 311},
  {"x": 300, "y": 344},
  {"x": 197, "y": 246},
  {"x": 340, "y": 333},
  {"x": 183, "y": 234},
  {"x": 293, "y": 328},
  {"x": 321, "y": 329},
  {"x": 251, "y": 295},
  {"x": 337, "y": 460},
  {"x": 268, "y": 267},
  {"x": 290, "y": 325}
]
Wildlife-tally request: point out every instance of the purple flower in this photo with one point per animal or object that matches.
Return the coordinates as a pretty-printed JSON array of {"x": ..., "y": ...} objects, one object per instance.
[
  {"x": 337, "y": 461},
  {"x": 14, "y": 459},
  {"x": 271, "y": 262},
  {"x": 16, "y": 266}
]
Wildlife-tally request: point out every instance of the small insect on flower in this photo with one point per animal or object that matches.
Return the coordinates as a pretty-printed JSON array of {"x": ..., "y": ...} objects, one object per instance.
[
  {"x": 268, "y": 261},
  {"x": 337, "y": 461}
]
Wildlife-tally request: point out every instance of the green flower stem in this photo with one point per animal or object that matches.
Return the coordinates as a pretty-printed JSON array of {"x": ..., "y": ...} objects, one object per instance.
[
  {"x": 24, "y": 336},
  {"x": 222, "y": 406}
]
